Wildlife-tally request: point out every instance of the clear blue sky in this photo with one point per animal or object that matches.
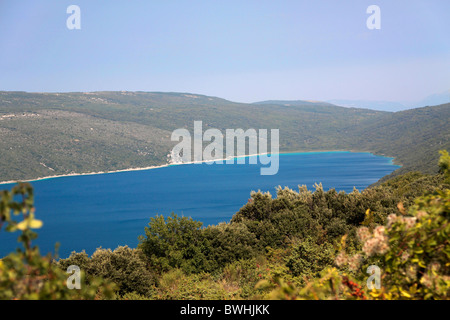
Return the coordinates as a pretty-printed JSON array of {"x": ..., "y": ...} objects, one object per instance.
[{"x": 239, "y": 50}]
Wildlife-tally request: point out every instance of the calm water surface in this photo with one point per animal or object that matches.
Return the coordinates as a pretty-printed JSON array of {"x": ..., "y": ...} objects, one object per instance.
[{"x": 108, "y": 210}]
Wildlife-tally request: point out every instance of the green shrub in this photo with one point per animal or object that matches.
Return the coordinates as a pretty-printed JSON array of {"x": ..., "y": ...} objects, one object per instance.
[
  {"x": 175, "y": 242},
  {"x": 126, "y": 267},
  {"x": 309, "y": 258}
]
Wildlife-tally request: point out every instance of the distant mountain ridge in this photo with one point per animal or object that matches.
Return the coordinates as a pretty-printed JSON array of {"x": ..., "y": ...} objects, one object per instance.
[
  {"x": 295, "y": 103},
  {"x": 388, "y": 106},
  {"x": 44, "y": 134},
  {"x": 434, "y": 99},
  {"x": 394, "y": 106}
]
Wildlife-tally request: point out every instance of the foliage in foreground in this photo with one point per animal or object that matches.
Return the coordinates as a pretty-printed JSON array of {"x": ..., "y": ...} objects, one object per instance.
[
  {"x": 25, "y": 274},
  {"x": 299, "y": 245},
  {"x": 412, "y": 250}
]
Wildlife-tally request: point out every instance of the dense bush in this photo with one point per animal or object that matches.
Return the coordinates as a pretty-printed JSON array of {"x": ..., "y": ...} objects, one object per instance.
[
  {"x": 308, "y": 258},
  {"x": 175, "y": 242},
  {"x": 227, "y": 243},
  {"x": 124, "y": 266},
  {"x": 412, "y": 250}
]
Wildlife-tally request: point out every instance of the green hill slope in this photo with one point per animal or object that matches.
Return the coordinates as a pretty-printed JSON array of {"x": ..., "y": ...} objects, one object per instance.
[
  {"x": 45, "y": 134},
  {"x": 413, "y": 137}
]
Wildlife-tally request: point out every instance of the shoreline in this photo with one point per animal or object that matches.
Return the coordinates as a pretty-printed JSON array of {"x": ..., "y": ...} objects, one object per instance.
[
  {"x": 175, "y": 164},
  {"x": 127, "y": 170}
]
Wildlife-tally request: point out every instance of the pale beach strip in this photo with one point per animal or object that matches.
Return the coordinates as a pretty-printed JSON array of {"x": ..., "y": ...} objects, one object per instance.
[
  {"x": 131, "y": 169},
  {"x": 181, "y": 163}
]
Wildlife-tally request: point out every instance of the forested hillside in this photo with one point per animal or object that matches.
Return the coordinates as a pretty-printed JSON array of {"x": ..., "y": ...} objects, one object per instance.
[
  {"x": 414, "y": 137},
  {"x": 44, "y": 134}
]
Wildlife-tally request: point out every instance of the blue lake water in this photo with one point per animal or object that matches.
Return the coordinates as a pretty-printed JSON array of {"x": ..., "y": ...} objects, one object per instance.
[{"x": 108, "y": 210}]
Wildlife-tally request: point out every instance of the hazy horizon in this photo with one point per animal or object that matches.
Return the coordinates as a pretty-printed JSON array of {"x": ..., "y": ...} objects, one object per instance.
[{"x": 244, "y": 52}]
